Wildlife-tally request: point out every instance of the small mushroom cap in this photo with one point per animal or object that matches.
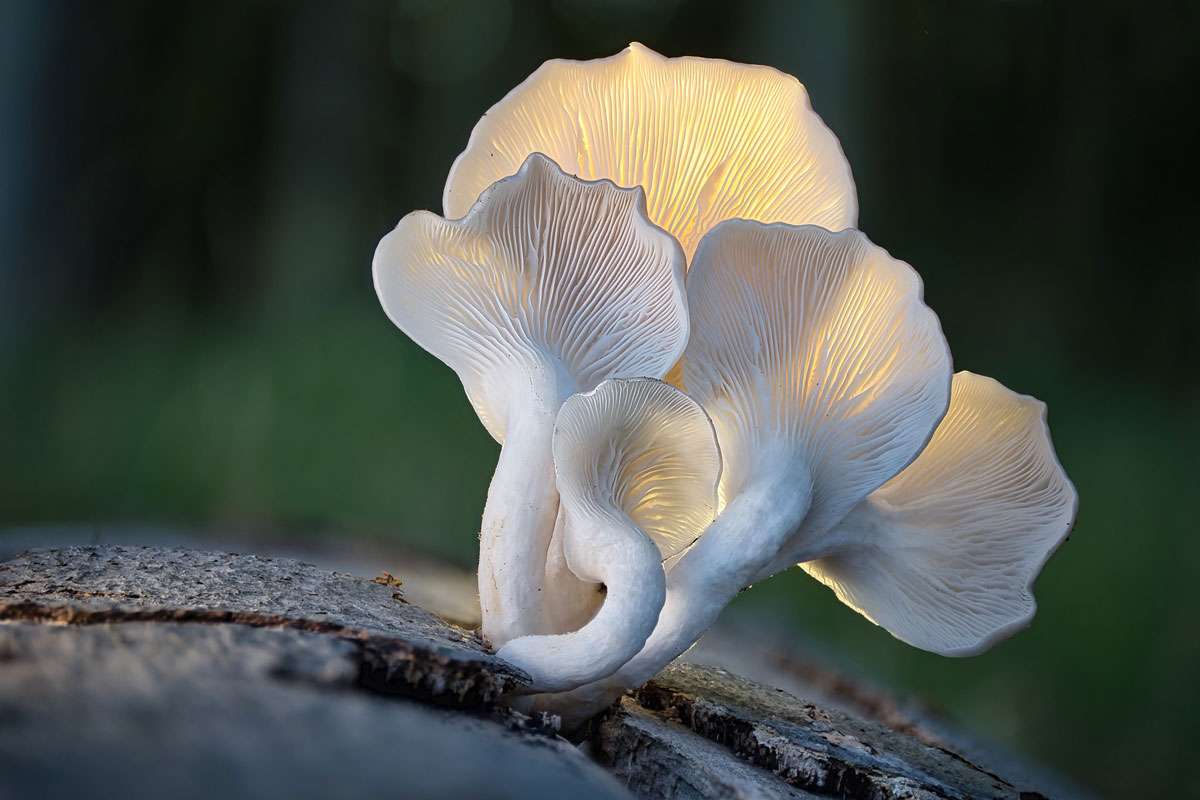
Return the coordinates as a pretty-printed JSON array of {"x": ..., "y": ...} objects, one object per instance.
[
  {"x": 637, "y": 468},
  {"x": 814, "y": 354},
  {"x": 642, "y": 448},
  {"x": 952, "y": 545},
  {"x": 548, "y": 285},
  {"x": 708, "y": 139}
]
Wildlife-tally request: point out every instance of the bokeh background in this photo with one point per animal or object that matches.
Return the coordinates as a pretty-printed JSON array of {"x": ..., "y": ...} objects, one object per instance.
[{"x": 191, "y": 192}]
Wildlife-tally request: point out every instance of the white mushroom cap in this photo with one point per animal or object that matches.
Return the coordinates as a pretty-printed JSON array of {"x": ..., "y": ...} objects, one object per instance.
[
  {"x": 708, "y": 139},
  {"x": 547, "y": 286},
  {"x": 814, "y": 353},
  {"x": 643, "y": 449},
  {"x": 947, "y": 552},
  {"x": 546, "y": 276},
  {"x": 637, "y": 464}
]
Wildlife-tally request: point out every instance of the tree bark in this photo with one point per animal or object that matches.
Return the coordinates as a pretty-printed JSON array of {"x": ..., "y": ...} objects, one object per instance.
[{"x": 143, "y": 671}]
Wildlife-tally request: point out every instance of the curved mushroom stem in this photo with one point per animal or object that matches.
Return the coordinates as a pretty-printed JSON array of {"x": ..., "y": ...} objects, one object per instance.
[
  {"x": 618, "y": 554},
  {"x": 518, "y": 521},
  {"x": 709, "y": 575}
]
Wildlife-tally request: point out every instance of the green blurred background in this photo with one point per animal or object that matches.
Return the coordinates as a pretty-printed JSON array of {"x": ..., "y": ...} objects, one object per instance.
[{"x": 190, "y": 194}]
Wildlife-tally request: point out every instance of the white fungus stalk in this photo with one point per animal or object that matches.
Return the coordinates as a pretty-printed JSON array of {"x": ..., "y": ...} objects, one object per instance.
[
  {"x": 547, "y": 286},
  {"x": 637, "y": 465},
  {"x": 709, "y": 575},
  {"x": 623, "y": 558},
  {"x": 518, "y": 518}
]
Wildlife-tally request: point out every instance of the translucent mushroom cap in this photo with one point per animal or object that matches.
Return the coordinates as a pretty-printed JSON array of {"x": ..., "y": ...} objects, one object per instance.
[
  {"x": 640, "y": 448},
  {"x": 708, "y": 140},
  {"x": 548, "y": 285},
  {"x": 814, "y": 354},
  {"x": 948, "y": 550}
]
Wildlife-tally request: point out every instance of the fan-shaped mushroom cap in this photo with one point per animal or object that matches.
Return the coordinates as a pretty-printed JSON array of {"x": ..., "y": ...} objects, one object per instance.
[
  {"x": 813, "y": 352},
  {"x": 640, "y": 448},
  {"x": 548, "y": 285},
  {"x": 949, "y": 548},
  {"x": 637, "y": 465},
  {"x": 709, "y": 140}
]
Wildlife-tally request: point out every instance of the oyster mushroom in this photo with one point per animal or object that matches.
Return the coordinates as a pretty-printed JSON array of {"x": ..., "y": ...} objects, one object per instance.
[
  {"x": 707, "y": 139},
  {"x": 637, "y": 465},
  {"x": 824, "y": 374},
  {"x": 546, "y": 287}
]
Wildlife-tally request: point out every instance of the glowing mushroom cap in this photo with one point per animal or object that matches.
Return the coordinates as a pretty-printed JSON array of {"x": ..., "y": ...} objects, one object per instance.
[
  {"x": 708, "y": 139},
  {"x": 548, "y": 285},
  {"x": 814, "y": 354},
  {"x": 947, "y": 551},
  {"x": 640, "y": 448}
]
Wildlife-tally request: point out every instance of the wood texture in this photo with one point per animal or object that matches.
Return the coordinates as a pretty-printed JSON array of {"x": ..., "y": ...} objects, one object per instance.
[{"x": 144, "y": 671}]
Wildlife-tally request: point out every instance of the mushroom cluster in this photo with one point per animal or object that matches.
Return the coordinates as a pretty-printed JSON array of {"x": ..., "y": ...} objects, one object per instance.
[{"x": 649, "y": 283}]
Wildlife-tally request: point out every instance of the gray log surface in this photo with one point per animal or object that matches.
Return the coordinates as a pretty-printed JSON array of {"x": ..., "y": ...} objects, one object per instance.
[{"x": 145, "y": 671}]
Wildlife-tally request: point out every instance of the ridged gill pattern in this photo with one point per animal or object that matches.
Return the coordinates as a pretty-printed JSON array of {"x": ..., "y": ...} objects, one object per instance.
[
  {"x": 707, "y": 139},
  {"x": 813, "y": 347},
  {"x": 549, "y": 284},
  {"x": 956, "y": 539},
  {"x": 642, "y": 448}
]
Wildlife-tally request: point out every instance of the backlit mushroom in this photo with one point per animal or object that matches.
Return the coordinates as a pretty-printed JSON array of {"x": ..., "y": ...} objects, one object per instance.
[
  {"x": 546, "y": 287},
  {"x": 824, "y": 374},
  {"x": 707, "y": 139},
  {"x": 813, "y": 359},
  {"x": 945, "y": 554}
]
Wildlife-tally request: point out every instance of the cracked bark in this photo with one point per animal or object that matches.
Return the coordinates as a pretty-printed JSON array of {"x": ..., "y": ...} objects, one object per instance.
[
  {"x": 401, "y": 648},
  {"x": 170, "y": 672},
  {"x": 817, "y": 749},
  {"x": 143, "y": 672}
]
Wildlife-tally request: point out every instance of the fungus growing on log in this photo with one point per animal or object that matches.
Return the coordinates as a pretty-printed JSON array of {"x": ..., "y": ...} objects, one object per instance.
[{"x": 927, "y": 501}]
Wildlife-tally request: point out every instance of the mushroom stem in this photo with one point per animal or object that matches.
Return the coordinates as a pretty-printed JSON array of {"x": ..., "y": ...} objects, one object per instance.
[
  {"x": 619, "y": 555},
  {"x": 710, "y": 574},
  {"x": 518, "y": 521},
  {"x": 722, "y": 563}
]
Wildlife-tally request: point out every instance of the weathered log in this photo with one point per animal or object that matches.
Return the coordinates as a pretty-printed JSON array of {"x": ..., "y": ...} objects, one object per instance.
[
  {"x": 658, "y": 757},
  {"x": 168, "y": 709},
  {"x": 401, "y": 648},
  {"x": 141, "y": 671},
  {"x": 820, "y": 750}
]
